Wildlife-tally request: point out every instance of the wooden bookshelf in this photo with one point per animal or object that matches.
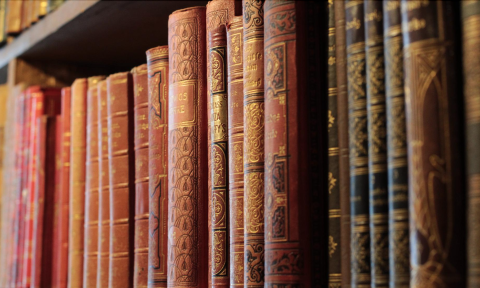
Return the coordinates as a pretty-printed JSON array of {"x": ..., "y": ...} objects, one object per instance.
[{"x": 87, "y": 37}]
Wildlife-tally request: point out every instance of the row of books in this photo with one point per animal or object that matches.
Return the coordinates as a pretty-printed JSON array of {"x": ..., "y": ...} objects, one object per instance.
[{"x": 301, "y": 144}]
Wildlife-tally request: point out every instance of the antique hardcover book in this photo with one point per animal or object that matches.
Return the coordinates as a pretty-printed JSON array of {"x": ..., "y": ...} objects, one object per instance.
[
  {"x": 140, "y": 113},
  {"x": 471, "y": 71},
  {"x": 187, "y": 149},
  {"x": 77, "y": 182},
  {"x": 432, "y": 60},
  {"x": 358, "y": 123},
  {"x": 14, "y": 17},
  {"x": 334, "y": 209},
  {"x": 157, "y": 62},
  {"x": 104, "y": 188},
  {"x": 235, "y": 149},
  {"x": 219, "y": 12},
  {"x": 219, "y": 253},
  {"x": 377, "y": 143},
  {"x": 293, "y": 113},
  {"x": 56, "y": 236},
  {"x": 254, "y": 156},
  {"x": 399, "y": 249},
  {"x": 90, "y": 252},
  {"x": 343, "y": 181},
  {"x": 121, "y": 159}
]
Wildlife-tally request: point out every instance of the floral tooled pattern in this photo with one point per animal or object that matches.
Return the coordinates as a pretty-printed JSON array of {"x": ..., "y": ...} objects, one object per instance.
[
  {"x": 238, "y": 274},
  {"x": 217, "y": 18},
  {"x": 284, "y": 262},
  {"x": 220, "y": 252},
  {"x": 254, "y": 141},
  {"x": 360, "y": 253},
  {"x": 356, "y": 79},
  {"x": 253, "y": 13},
  {"x": 275, "y": 72},
  {"x": 217, "y": 60},
  {"x": 332, "y": 246},
  {"x": 183, "y": 44},
  {"x": 359, "y": 137},
  {"x": 254, "y": 219},
  {"x": 219, "y": 164},
  {"x": 238, "y": 157},
  {"x": 235, "y": 49},
  {"x": 254, "y": 263},
  {"x": 278, "y": 223},
  {"x": 280, "y": 23}
]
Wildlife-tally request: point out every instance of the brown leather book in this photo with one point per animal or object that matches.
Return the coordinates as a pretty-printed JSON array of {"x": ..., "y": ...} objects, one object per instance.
[
  {"x": 121, "y": 159},
  {"x": 471, "y": 67},
  {"x": 77, "y": 182},
  {"x": 14, "y": 17},
  {"x": 235, "y": 149},
  {"x": 294, "y": 121},
  {"x": 253, "y": 102},
  {"x": 103, "y": 186},
  {"x": 157, "y": 62},
  {"x": 187, "y": 147},
  {"x": 90, "y": 252},
  {"x": 399, "y": 243},
  {"x": 219, "y": 12},
  {"x": 358, "y": 123},
  {"x": 432, "y": 60},
  {"x": 140, "y": 112}
]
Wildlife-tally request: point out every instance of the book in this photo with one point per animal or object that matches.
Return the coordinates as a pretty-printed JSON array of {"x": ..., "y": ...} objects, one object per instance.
[
  {"x": 358, "y": 123},
  {"x": 77, "y": 182},
  {"x": 187, "y": 146},
  {"x": 121, "y": 159},
  {"x": 57, "y": 204},
  {"x": 90, "y": 252},
  {"x": 3, "y": 16},
  {"x": 399, "y": 244},
  {"x": 157, "y": 64},
  {"x": 432, "y": 60},
  {"x": 471, "y": 66},
  {"x": 140, "y": 111},
  {"x": 14, "y": 17},
  {"x": 235, "y": 149},
  {"x": 254, "y": 130},
  {"x": 104, "y": 187},
  {"x": 26, "y": 10}
]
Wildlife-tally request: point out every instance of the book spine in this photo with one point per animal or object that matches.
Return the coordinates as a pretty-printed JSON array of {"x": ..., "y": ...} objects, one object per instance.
[
  {"x": 434, "y": 133},
  {"x": 3, "y": 15},
  {"x": 219, "y": 152},
  {"x": 158, "y": 170},
  {"x": 121, "y": 160},
  {"x": 334, "y": 209},
  {"x": 14, "y": 17},
  {"x": 399, "y": 248},
  {"x": 77, "y": 183},
  {"x": 104, "y": 187},
  {"x": 235, "y": 149},
  {"x": 90, "y": 241},
  {"x": 377, "y": 143},
  {"x": 57, "y": 205},
  {"x": 219, "y": 12},
  {"x": 471, "y": 67},
  {"x": 26, "y": 8},
  {"x": 140, "y": 111},
  {"x": 358, "y": 123},
  {"x": 254, "y": 156},
  {"x": 187, "y": 134},
  {"x": 343, "y": 141},
  {"x": 60, "y": 280}
]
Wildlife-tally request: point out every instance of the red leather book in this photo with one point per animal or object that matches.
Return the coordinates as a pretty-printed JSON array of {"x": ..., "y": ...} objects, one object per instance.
[
  {"x": 157, "y": 62},
  {"x": 140, "y": 112},
  {"x": 294, "y": 240},
  {"x": 104, "y": 196},
  {"x": 254, "y": 156},
  {"x": 91, "y": 187},
  {"x": 44, "y": 198},
  {"x": 77, "y": 183},
  {"x": 219, "y": 12},
  {"x": 187, "y": 146},
  {"x": 60, "y": 261},
  {"x": 122, "y": 179},
  {"x": 235, "y": 148}
]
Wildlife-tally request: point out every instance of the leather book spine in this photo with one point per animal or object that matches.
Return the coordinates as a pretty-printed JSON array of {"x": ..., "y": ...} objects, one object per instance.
[
  {"x": 334, "y": 209},
  {"x": 471, "y": 70},
  {"x": 14, "y": 17},
  {"x": 121, "y": 160},
  {"x": 219, "y": 12},
  {"x": 104, "y": 188},
  {"x": 254, "y": 156},
  {"x": 3, "y": 15},
  {"x": 377, "y": 143},
  {"x": 90, "y": 241},
  {"x": 57, "y": 205},
  {"x": 343, "y": 141},
  {"x": 77, "y": 183},
  {"x": 432, "y": 62},
  {"x": 219, "y": 254},
  {"x": 26, "y": 8},
  {"x": 157, "y": 62},
  {"x": 235, "y": 149},
  {"x": 358, "y": 123},
  {"x": 399, "y": 247},
  {"x": 187, "y": 144},
  {"x": 60, "y": 278},
  {"x": 140, "y": 111}
]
